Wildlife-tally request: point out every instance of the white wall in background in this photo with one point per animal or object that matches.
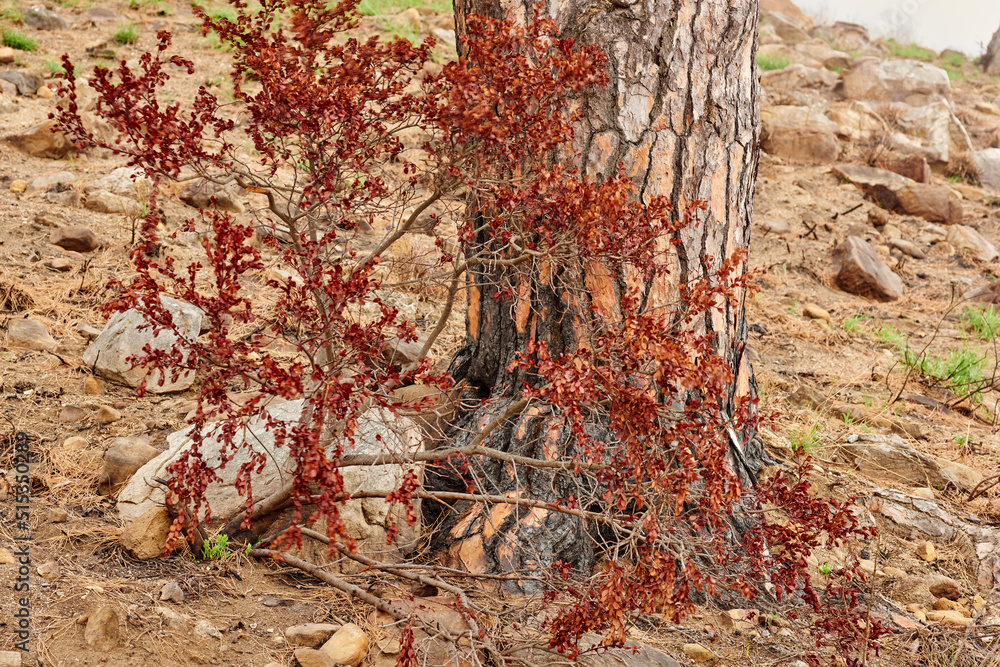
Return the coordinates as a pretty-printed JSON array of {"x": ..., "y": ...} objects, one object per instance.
[{"x": 964, "y": 25}]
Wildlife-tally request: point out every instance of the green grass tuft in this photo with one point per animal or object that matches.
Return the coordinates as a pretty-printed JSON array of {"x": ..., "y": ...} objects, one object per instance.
[
  {"x": 18, "y": 40},
  {"x": 805, "y": 440},
  {"x": 126, "y": 34},
  {"x": 910, "y": 51},
  {"x": 390, "y": 7},
  {"x": 767, "y": 63},
  {"x": 984, "y": 321}
]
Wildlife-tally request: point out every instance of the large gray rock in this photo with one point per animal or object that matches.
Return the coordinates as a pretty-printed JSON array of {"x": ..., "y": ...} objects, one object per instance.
[
  {"x": 890, "y": 459},
  {"x": 920, "y": 519},
  {"x": 203, "y": 193},
  {"x": 910, "y": 81},
  {"x": 125, "y": 336},
  {"x": 967, "y": 239},
  {"x": 932, "y": 131},
  {"x": 987, "y": 165},
  {"x": 40, "y": 18},
  {"x": 130, "y": 182},
  {"x": 849, "y": 37},
  {"x": 797, "y": 77},
  {"x": 377, "y": 432},
  {"x": 991, "y": 59},
  {"x": 801, "y": 134},
  {"x": 891, "y": 191},
  {"x": 860, "y": 271},
  {"x": 785, "y": 27}
]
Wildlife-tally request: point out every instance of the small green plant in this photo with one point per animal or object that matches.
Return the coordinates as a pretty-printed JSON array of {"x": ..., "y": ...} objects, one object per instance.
[
  {"x": 962, "y": 370},
  {"x": 55, "y": 67},
  {"x": 954, "y": 74},
  {"x": 156, "y": 6},
  {"x": 836, "y": 69},
  {"x": 805, "y": 440},
  {"x": 954, "y": 178},
  {"x": 10, "y": 13},
  {"x": 984, "y": 321},
  {"x": 848, "y": 419},
  {"x": 888, "y": 334},
  {"x": 215, "y": 547},
  {"x": 18, "y": 40},
  {"x": 389, "y": 7},
  {"x": 853, "y": 323},
  {"x": 954, "y": 59},
  {"x": 766, "y": 63},
  {"x": 910, "y": 51},
  {"x": 126, "y": 34},
  {"x": 825, "y": 569}
]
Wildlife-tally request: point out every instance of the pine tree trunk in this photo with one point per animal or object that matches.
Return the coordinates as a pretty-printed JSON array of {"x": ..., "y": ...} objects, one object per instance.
[{"x": 681, "y": 115}]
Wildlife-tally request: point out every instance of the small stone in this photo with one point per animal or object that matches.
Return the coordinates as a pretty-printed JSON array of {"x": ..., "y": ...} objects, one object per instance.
[
  {"x": 30, "y": 334},
  {"x": 698, "y": 652},
  {"x": 145, "y": 536},
  {"x": 924, "y": 492},
  {"x": 894, "y": 572},
  {"x": 75, "y": 443},
  {"x": 310, "y": 634},
  {"x": 978, "y": 602},
  {"x": 87, "y": 331},
  {"x": 75, "y": 238},
  {"x": 814, "y": 312},
  {"x": 18, "y": 186},
  {"x": 48, "y": 570},
  {"x": 107, "y": 415},
  {"x": 171, "y": 618},
  {"x": 204, "y": 194},
  {"x": 950, "y": 617},
  {"x": 907, "y": 248},
  {"x": 57, "y": 515},
  {"x": 944, "y": 604},
  {"x": 60, "y": 178},
  {"x": 347, "y": 646},
  {"x": 7, "y": 54},
  {"x": 926, "y": 551},
  {"x": 6, "y": 557},
  {"x": 93, "y": 386},
  {"x": 44, "y": 92},
  {"x": 944, "y": 587},
  {"x": 775, "y": 226},
  {"x": 171, "y": 592},
  {"x": 10, "y": 659},
  {"x": 205, "y": 628},
  {"x": 121, "y": 461},
  {"x": 71, "y": 414},
  {"x": 310, "y": 657},
  {"x": 60, "y": 264},
  {"x": 108, "y": 202},
  {"x": 967, "y": 239},
  {"x": 102, "y": 629}
]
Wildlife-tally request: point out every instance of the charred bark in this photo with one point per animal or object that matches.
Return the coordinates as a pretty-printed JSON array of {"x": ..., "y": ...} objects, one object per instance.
[{"x": 681, "y": 116}]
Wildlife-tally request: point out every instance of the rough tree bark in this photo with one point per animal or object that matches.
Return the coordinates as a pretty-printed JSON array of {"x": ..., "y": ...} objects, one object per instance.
[{"x": 681, "y": 114}]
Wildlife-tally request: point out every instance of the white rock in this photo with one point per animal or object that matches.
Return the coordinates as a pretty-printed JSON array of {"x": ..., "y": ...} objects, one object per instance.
[
  {"x": 124, "y": 337},
  {"x": 377, "y": 432}
]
